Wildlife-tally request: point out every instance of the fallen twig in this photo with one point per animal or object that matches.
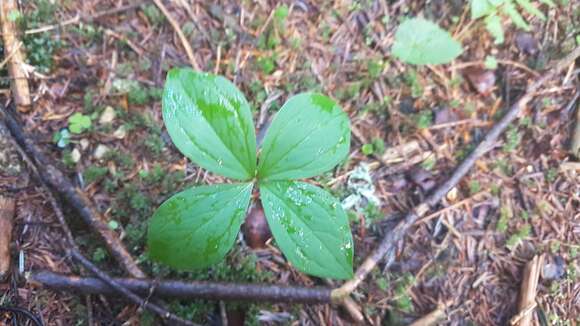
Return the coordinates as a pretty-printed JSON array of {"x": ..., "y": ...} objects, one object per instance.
[
  {"x": 12, "y": 45},
  {"x": 434, "y": 317},
  {"x": 118, "y": 288},
  {"x": 60, "y": 183},
  {"x": 69, "y": 243},
  {"x": 529, "y": 288},
  {"x": 85, "y": 18},
  {"x": 179, "y": 32},
  {"x": 389, "y": 243},
  {"x": 186, "y": 290},
  {"x": 6, "y": 223}
]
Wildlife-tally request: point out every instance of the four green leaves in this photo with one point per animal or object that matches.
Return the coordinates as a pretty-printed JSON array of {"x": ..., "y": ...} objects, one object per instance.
[{"x": 209, "y": 120}]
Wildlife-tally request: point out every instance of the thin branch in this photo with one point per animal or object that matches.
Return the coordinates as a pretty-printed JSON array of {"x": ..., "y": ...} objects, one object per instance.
[
  {"x": 85, "y": 18},
  {"x": 388, "y": 244},
  {"x": 52, "y": 176},
  {"x": 127, "y": 293},
  {"x": 179, "y": 32},
  {"x": 186, "y": 290},
  {"x": 69, "y": 243}
]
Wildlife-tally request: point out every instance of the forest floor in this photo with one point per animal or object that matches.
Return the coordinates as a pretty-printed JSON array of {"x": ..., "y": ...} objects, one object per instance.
[{"x": 411, "y": 125}]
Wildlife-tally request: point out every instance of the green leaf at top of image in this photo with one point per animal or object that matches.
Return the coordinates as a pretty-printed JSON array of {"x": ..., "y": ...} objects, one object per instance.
[
  {"x": 420, "y": 42},
  {"x": 78, "y": 122},
  {"x": 197, "y": 227},
  {"x": 310, "y": 227},
  {"x": 309, "y": 135},
  {"x": 210, "y": 122}
]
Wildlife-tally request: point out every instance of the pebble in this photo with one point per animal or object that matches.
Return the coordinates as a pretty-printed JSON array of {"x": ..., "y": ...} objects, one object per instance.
[{"x": 100, "y": 151}]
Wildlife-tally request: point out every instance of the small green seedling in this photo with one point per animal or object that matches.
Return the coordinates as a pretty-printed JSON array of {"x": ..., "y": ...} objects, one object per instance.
[
  {"x": 209, "y": 121},
  {"x": 78, "y": 122},
  {"x": 61, "y": 138}
]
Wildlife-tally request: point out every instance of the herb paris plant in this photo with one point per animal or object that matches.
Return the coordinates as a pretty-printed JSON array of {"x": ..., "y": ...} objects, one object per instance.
[{"x": 210, "y": 122}]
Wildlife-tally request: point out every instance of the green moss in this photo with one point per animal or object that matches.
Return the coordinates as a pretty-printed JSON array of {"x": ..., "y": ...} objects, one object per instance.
[
  {"x": 517, "y": 237},
  {"x": 153, "y": 14},
  {"x": 154, "y": 144},
  {"x": 474, "y": 187},
  {"x": 94, "y": 173},
  {"x": 122, "y": 159},
  {"x": 504, "y": 217}
]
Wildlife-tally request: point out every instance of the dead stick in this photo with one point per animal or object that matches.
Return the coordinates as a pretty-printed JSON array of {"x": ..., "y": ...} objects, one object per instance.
[
  {"x": 182, "y": 37},
  {"x": 7, "y": 208},
  {"x": 389, "y": 243},
  {"x": 528, "y": 291},
  {"x": 75, "y": 197},
  {"x": 19, "y": 81},
  {"x": 186, "y": 290},
  {"x": 127, "y": 293}
]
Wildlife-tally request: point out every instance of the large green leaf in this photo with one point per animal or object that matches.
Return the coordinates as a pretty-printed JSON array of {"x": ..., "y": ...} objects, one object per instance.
[
  {"x": 197, "y": 227},
  {"x": 310, "y": 135},
  {"x": 420, "y": 42},
  {"x": 209, "y": 120},
  {"x": 310, "y": 227},
  {"x": 480, "y": 8}
]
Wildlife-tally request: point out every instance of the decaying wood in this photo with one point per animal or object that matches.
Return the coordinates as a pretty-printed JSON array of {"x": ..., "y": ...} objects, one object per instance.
[
  {"x": 53, "y": 177},
  {"x": 12, "y": 46},
  {"x": 528, "y": 292},
  {"x": 389, "y": 243},
  {"x": 186, "y": 290},
  {"x": 7, "y": 207}
]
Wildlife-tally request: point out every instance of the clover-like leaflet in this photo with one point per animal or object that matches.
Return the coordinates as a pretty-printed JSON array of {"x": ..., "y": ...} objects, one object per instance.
[{"x": 210, "y": 122}]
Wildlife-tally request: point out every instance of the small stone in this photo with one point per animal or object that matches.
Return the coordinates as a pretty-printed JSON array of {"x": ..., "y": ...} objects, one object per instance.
[
  {"x": 554, "y": 269},
  {"x": 84, "y": 143},
  {"x": 100, "y": 151},
  {"x": 107, "y": 116},
  {"x": 75, "y": 155},
  {"x": 120, "y": 133}
]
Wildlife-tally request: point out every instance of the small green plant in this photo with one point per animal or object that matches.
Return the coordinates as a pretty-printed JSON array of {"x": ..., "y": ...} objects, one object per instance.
[
  {"x": 209, "y": 120},
  {"x": 492, "y": 10},
  {"x": 61, "y": 138},
  {"x": 78, "y": 122},
  {"x": 421, "y": 42}
]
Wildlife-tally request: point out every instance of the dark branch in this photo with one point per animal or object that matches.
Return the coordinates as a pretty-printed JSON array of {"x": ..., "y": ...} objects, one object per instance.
[
  {"x": 53, "y": 177},
  {"x": 116, "y": 287},
  {"x": 186, "y": 290}
]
